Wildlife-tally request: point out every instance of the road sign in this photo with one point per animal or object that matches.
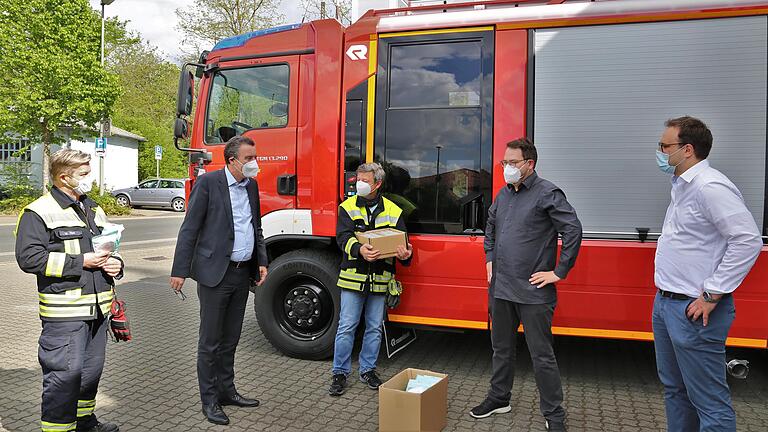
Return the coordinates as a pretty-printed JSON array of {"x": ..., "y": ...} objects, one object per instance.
[
  {"x": 101, "y": 146},
  {"x": 158, "y": 152}
]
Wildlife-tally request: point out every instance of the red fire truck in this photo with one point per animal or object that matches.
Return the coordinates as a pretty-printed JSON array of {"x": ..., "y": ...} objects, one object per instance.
[{"x": 434, "y": 93}]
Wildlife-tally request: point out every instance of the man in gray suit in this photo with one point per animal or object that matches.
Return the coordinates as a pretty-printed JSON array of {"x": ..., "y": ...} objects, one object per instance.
[{"x": 221, "y": 246}]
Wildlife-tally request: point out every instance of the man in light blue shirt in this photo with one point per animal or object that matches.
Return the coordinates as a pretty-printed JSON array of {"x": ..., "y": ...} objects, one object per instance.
[
  {"x": 708, "y": 244},
  {"x": 242, "y": 218}
]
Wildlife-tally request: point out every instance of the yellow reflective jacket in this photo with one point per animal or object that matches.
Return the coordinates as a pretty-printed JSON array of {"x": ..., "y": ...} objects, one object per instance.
[{"x": 52, "y": 234}]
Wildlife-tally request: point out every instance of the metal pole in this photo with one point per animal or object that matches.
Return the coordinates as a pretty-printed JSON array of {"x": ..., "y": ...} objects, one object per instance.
[
  {"x": 157, "y": 170},
  {"x": 101, "y": 131}
]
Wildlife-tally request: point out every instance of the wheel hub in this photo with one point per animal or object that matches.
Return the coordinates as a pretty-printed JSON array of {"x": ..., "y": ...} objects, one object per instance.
[{"x": 302, "y": 306}]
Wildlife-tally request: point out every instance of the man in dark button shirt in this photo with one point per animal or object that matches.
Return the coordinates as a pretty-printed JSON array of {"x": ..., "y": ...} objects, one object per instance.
[{"x": 521, "y": 260}]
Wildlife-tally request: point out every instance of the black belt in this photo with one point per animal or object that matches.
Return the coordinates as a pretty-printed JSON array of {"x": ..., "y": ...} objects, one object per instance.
[
  {"x": 238, "y": 264},
  {"x": 674, "y": 295},
  {"x": 678, "y": 296}
]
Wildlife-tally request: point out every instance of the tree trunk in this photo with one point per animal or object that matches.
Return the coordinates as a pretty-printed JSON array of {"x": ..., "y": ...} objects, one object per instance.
[{"x": 46, "y": 155}]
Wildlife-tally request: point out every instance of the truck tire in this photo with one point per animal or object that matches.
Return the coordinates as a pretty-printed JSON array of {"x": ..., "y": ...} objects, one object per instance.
[{"x": 297, "y": 307}]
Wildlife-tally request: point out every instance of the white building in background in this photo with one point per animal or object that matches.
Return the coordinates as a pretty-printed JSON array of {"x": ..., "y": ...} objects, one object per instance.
[{"x": 121, "y": 159}]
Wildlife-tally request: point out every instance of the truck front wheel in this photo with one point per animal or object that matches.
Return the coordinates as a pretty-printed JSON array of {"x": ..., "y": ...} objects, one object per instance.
[{"x": 297, "y": 306}]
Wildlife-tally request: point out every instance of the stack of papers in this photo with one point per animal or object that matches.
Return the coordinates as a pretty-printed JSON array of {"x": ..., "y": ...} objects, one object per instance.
[{"x": 421, "y": 383}]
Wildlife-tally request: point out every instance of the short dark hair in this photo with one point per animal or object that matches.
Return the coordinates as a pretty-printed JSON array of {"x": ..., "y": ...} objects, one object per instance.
[
  {"x": 693, "y": 131},
  {"x": 526, "y": 146},
  {"x": 232, "y": 148}
]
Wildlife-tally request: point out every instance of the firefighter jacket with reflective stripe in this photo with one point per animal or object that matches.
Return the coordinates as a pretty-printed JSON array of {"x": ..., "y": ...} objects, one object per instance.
[
  {"x": 355, "y": 216},
  {"x": 52, "y": 234}
]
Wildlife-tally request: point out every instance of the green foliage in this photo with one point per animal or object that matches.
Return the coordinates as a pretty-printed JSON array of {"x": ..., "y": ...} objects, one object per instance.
[
  {"x": 13, "y": 206},
  {"x": 50, "y": 70},
  {"x": 147, "y": 103},
  {"x": 16, "y": 180},
  {"x": 107, "y": 203}
]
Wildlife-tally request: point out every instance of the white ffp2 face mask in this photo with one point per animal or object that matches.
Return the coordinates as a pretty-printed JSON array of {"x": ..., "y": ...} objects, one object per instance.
[
  {"x": 250, "y": 169},
  {"x": 363, "y": 188},
  {"x": 512, "y": 174},
  {"x": 84, "y": 185}
]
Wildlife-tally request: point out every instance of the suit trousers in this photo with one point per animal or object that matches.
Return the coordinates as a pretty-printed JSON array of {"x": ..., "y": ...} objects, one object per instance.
[
  {"x": 537, "y": 322},
  {"x": 222, "y": 308}
]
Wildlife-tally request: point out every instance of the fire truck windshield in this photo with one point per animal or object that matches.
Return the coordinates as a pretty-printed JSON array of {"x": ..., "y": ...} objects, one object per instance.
[{"x": 245, "y": 99}]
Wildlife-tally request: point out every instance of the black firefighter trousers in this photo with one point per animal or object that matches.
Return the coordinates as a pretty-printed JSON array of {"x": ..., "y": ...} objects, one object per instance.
[{"x": 71, "y": 354}]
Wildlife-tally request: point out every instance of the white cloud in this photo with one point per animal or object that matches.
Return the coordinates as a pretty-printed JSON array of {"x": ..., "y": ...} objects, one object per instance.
[{"x": 156, "y": 20}]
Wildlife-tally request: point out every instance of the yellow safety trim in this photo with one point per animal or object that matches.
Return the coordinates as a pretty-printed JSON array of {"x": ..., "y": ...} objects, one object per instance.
[
  {"x": 65, "y": 312},
  {"x": 348, "y": 247},
  {"x": 72, "y": 247},
  {"x": 55, "y": 265},
  {"x": 351, "y": 274},
  {"x": 53, "y": 215},
  {"x": 434, "y": 32},
  {"x": 85, "y": 407},
  {"x": 349, "y": 285},
  {"x": 100, "y": 217},
  {"x": 371, "y": 109},
  {"x": 57, "y": 427},
  {"x": 443, "y": 322}
]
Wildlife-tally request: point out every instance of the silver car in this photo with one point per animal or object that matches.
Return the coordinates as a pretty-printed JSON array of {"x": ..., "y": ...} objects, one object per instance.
[{"x": 153, "y": 193}]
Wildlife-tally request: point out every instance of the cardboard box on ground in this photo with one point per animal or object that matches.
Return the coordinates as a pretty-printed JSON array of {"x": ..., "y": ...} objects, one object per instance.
[
  {"x": 401, "y": 411},
  {"x": 385, "y": 240}
]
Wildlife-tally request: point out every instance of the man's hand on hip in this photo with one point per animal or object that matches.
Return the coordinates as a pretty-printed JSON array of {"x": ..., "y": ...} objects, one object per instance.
[
  {"x": 489, "y": 270},
  {"x": 542, "y": 279},
  {"x": 177, "y": 283},
  {"x": 700, "y": 308}
]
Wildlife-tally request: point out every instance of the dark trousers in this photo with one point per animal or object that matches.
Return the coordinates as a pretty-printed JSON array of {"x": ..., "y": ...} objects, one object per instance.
[
  {"x": 537, "y": 323},
  {"x": 71, "y": 354},
  {"x": 221, "y": 320}
]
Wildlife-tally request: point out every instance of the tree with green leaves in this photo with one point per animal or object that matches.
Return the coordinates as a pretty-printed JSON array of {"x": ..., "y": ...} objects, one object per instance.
[
  {"x": 209, "y": 21},
  {"x": 51, "y": 73},
  {"x": 148, "y": 98}
]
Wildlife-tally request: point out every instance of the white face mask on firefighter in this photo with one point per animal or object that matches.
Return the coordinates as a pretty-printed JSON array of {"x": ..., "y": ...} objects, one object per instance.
[
  {"x": 512, "y": 174},
  {"x": 83, "y": 185},
  {"x": 363, "y": 188}
]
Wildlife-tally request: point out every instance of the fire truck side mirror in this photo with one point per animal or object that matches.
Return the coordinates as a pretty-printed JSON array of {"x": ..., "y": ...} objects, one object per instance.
[
  {"x": 184, "y": 97},
  {"x": 181, "y": 128}
]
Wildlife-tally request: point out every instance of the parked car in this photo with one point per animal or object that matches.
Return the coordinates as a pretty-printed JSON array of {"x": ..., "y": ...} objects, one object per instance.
[{"x": 153, "y": 193}]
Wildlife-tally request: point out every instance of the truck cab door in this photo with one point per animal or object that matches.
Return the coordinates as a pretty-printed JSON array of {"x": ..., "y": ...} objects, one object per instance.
[
  {"x": 433, "y": 134},
  {"x": 258, "y": 99}
]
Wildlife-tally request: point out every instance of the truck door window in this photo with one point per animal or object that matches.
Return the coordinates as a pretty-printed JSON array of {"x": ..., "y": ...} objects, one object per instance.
[
  {"x": 246, "y": 99},
  {"x": 436, "y": 141}
]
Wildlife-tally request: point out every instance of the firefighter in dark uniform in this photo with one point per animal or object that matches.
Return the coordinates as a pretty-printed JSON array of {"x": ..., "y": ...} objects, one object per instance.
[
  {"x": 364, "y": 276},
  {"x": 75, "y": 290}
]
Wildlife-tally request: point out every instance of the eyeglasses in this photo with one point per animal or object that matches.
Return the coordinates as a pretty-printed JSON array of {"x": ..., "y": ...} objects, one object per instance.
[
  {"x": 663, "y": 146},
  {"x": 512, "y": 162}
]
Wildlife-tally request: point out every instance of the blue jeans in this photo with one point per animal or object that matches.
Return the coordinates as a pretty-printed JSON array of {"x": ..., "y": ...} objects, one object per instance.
[
  {"x": 352, "y": 303},
  {"x": 690, "y": 359}
]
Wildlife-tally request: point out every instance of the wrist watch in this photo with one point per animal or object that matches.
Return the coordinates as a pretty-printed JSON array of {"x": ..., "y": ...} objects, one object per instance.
[{"x": 708, "y": 297}]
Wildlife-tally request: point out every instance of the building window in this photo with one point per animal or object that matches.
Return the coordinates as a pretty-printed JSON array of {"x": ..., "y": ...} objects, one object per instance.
[{"x": 16, "y": 151}]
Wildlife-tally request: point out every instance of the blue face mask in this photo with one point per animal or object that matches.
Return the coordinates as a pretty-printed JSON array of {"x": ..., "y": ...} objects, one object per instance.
[{"x": 662, "y": 160}]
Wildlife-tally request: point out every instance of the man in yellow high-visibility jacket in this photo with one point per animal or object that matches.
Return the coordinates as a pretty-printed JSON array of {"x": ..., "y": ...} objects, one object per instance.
[
  {"x": 364, "y": 277},
  {"x": 75, "y": 289}
]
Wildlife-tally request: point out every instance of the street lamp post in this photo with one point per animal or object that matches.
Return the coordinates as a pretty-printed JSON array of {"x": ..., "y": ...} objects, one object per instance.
[
  {"x": 101, "y": 129},
  {"x": 437, "y": 180}
]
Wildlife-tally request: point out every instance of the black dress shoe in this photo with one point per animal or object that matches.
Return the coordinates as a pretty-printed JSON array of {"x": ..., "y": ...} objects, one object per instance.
[
  {"x": 215, "y": 414},
  {"x": 237, "y": 400},
  {"x": 101, "y": 427}
]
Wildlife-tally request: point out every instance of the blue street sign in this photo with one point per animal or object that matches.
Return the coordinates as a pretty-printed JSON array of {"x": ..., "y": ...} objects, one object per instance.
[
  {"x": 158, "y": 152},
  {"x": 101, "y": 145}
]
